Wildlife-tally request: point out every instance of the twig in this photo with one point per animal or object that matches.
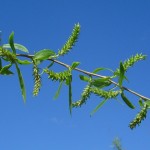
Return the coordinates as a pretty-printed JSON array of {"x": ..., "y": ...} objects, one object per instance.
[{"x": 91, "y": 74}]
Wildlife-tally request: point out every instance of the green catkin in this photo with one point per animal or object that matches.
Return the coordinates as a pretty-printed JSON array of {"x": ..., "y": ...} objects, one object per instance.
[
  {"x": 61, "y": 76},
  {"x": 37, "y": 79},
  {"x": 131, "y": 61},
  {"x": 84, "y": 96},
  {"x": 71, "y": 41},
  {"x": 139, "y": 117},
  {"x": 105, "y": 94},
  {"x": 6, "y": 54},
  {"x": 88, "y": 90}
]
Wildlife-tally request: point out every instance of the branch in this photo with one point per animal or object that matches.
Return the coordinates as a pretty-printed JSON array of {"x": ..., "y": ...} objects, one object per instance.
[
  {"x": 94, "y": 85},
  {"x": 90, "y": 74}
]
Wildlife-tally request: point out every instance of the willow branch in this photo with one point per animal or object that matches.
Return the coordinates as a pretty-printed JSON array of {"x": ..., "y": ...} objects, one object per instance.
[{"x": 91, "y": 74}]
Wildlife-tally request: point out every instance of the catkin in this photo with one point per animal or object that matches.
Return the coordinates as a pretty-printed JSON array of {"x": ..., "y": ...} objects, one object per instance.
[
  {"x": 139, "y": 117},
  {"x": 37, "y": 79}
]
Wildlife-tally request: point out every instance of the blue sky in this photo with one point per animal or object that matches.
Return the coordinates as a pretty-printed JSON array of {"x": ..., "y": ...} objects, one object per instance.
[{"x": 111, "y": 31}]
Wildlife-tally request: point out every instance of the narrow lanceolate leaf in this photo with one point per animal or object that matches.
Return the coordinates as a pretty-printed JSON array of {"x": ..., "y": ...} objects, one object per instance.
[
  {"x": 125, "y": 99},
  {"x": 44, "y": 54},
  {"x": 74, "y": 65},
  {"x": 99, "y": 106},
  {"x": 5, "y": 70},
  {"x": 23, "y": 62},
  {"x": 141, "y": 102},
  {"x": 100, "y": 69},
  {"x": 22, "y": 86},
  {"x": 121, "y": 74},
  {"x": 58, "y": 91},
  {"x": 11, "y": 42},
  {"x": 84, "y": 78},
  {"x": 70, "y": 95},
  {"x": 101, "y": 82},
  {"x": 17, "y": 46}
]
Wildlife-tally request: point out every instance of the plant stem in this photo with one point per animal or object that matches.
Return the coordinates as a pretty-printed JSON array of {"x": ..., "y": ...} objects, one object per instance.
[{"x": 91, "y": 74}]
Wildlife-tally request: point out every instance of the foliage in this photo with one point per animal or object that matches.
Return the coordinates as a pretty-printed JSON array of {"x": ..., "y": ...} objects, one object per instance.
[{"x": 104, "y": 87}]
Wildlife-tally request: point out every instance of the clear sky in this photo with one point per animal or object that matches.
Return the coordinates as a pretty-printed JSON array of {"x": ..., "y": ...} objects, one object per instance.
[{"x": 111, "y": 31}]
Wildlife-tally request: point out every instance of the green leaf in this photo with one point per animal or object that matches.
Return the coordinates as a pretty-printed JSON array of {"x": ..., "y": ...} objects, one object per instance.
[
  {"x": 22, "y": 86},
  {"x": 6, "y": 67},
  {"x": 44, "y": 54},
  {"x": 121, "y": 75},
  {"x": 70, "y": 95},
  {"x": 100, "y": 69},
  {"x": 99, "y": 106},
  {"x": 84, "y": 78},
  {"x": 147, "y": 103},
  {"x": 97, "y": 70},
  {"x": 11, "y": 42},
  {"x": 17, "y": 46},
  {"x": 58, "y": 91},
  {"x": 23, "y": 62},
  {"x": 5, "y": 70},
  {"x": 125, "y": 99},
  {"x": 74, "y": 65},
  {"x": 141, "y": 102},
  {"x": 67, "y": 81},
  {"x": 101, "y": 82}
]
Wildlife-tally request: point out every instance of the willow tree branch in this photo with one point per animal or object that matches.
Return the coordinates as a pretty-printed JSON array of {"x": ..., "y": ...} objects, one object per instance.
[{"x": 90, "y": 74}]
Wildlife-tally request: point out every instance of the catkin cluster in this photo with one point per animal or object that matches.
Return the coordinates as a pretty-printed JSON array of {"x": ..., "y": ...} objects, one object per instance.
[
  {"x": 139, "y": 117},
  {"x": 88, "y": 90}
]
